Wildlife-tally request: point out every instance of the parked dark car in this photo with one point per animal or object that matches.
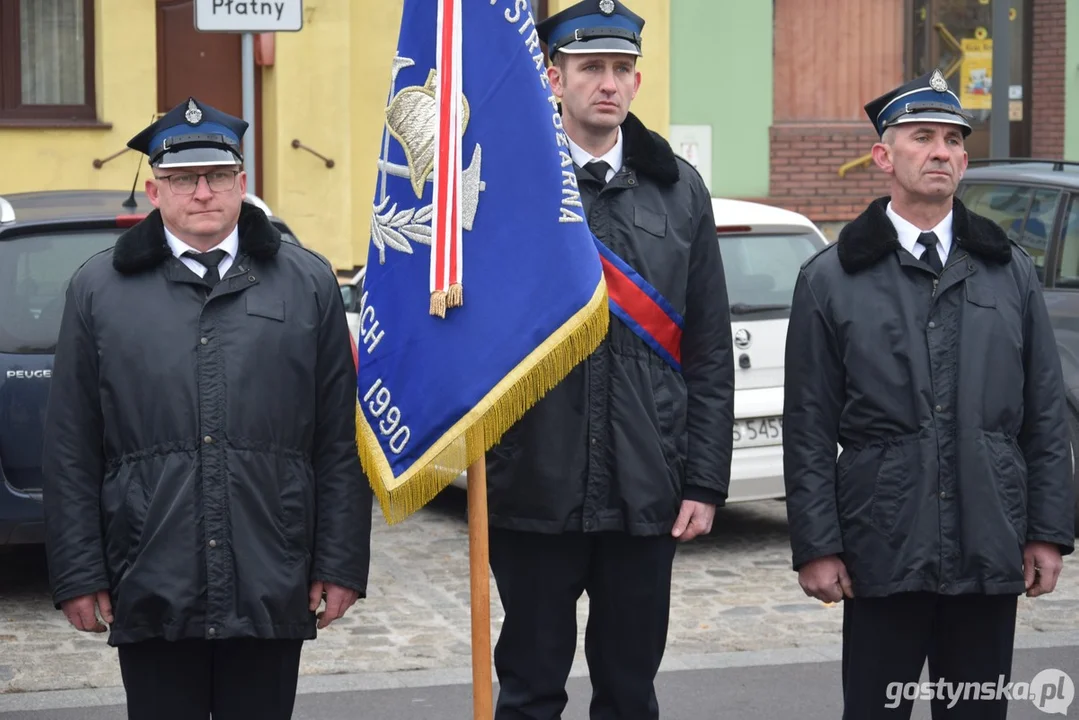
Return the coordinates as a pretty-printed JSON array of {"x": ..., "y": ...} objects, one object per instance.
[
  {"x": 1037, "y": 204},
  {"x": 44, "y": 237}
]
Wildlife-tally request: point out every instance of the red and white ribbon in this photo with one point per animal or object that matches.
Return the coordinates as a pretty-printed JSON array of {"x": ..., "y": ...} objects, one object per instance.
[{"x": 446, "y": 290}]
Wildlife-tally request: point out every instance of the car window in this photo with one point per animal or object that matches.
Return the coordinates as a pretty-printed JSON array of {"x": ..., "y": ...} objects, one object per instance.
[
  {"x": 1008, "y": 206},
  {"x": 1068, "y": 267},
  {"x": 761, "y": 271},
  {"x": 1005, "y": 204},
  {"x": 34, "y": 274},
  {"x": 350, "y": 295},
  {"x": 1039, "y": 225}
]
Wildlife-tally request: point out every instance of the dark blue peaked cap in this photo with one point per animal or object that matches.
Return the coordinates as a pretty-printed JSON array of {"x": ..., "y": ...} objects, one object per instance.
[
  {"x": 192, "y": 134},
  {"x": 925, "y": 99},
  {"x": 593, "y": 26}
]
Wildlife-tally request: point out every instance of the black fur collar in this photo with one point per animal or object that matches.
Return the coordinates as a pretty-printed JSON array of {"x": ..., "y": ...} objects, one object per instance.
[
  {"x": 144, "y": 246},
  {"x": 871, "y": 236},
  {"x": 648, "y": 153}
]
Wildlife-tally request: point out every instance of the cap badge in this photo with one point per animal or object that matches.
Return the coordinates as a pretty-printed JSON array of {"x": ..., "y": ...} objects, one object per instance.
[
  {"x": 937, "y": 82},
  {"x": 606, "y": 6},
  {"x": 193, "y": 114}
]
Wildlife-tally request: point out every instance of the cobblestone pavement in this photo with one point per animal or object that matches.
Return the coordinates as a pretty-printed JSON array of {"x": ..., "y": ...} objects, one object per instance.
[{"x": 733, "y": 590}]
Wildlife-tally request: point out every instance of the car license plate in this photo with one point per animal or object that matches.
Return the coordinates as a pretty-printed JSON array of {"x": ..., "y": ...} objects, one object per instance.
[{"x": 754, "y": 432}]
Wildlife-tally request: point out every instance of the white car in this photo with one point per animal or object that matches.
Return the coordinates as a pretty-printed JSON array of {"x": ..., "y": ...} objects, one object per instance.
[{"x": 763, "y": 248}]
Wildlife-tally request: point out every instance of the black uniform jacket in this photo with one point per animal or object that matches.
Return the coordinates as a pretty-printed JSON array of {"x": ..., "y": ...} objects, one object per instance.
[
  {"x": 625, "y": 437},
  {"x": 200, "y": 454},
  {"x": 947, "y": 400}
]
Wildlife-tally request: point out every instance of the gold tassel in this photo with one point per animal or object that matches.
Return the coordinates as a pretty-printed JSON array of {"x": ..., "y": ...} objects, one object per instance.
[
  {"x": 456, "y": 296},
  {"x": 472, "y": 435},
  {"x": 438, "y": 303}
]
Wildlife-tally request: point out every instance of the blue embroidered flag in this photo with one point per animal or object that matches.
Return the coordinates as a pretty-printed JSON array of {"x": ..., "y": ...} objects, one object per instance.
[{"x": 483, "y": 286}]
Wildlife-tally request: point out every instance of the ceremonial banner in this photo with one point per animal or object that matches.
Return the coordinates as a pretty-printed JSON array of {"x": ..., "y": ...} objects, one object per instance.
[{"x": 484, "y": 286}]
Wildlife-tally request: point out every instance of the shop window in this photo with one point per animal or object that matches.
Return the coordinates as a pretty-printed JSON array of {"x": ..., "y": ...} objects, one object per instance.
[
  {"x": 956, "y": 37},
  {"x": 47, "y": 60}
]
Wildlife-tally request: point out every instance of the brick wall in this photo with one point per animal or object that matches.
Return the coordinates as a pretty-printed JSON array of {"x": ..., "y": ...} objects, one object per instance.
[
  {"x": 1048, "y": 74},
  {"x": 806, "y": 156},
  {"x": 805, "y": 162}
]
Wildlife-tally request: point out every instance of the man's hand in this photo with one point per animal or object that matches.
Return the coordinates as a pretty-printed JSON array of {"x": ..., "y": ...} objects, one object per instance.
[
  {"x": 826, "y": 579},
  {"x": 694, "y": 519},
  {"x": 338, "y": 601},
  {"x": 81, "y": 612},
  {"x": 1041, "y": 567}
]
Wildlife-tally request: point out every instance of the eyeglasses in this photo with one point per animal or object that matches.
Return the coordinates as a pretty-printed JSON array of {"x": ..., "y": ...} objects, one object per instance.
[{"x": 218, "y": 181}]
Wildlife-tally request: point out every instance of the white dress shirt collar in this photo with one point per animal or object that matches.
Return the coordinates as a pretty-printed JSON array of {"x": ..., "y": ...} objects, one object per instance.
[
  {"x": 612, "y": 157},
  {"x": 908, "y": 234},
  {"x": 231, "y": 246}
]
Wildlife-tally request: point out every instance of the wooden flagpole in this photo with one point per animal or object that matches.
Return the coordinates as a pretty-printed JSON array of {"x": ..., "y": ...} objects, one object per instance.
[{"x": 482, "y": 691}]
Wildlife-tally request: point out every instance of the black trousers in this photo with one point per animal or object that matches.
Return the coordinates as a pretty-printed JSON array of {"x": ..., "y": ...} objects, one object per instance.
[
  {"x": 540, "y": 578},
  {"x": 966, "y": 638},
  {"x": 196, "y": 679}
]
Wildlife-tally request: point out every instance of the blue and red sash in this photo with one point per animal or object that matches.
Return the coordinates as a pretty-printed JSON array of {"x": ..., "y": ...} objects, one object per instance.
[{"x": 640, "y": 306}]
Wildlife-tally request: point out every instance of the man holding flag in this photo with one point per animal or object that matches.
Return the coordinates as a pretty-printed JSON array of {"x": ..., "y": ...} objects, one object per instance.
[
  {"x": 591, "y": 490},
  {"x": 498, "y": 265}
]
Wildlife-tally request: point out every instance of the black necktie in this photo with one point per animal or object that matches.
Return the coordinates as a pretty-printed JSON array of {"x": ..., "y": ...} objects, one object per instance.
[
  {"x": 598, "y": 170},
  {"x": 931, "y": 256},
  {"x": 210, "y": 260}
]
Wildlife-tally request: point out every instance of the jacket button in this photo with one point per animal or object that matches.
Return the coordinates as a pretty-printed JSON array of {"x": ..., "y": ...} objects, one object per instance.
[
  {"x": 932, "y": 324},
  {"x": 204, "y": 341},
  {"x": 213, "y": 543},
  {"x": 938, "y": 408},
  {"x": 943, "y": 495},
  {"x": 207, "y": 439},
  {"x": 251, "y": 278},
  {"x": 593, "y": 441},
  {"x": 211, "y": 632},
  {"x": 588, "y": 524}
]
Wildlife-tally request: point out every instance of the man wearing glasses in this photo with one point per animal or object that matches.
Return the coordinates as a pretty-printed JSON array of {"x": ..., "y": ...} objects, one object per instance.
[{"x": 203, "y": 494}]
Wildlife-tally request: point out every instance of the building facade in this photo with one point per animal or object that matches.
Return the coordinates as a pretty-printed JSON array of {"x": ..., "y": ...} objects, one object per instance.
[
  {"x": 78, "y": 78},
  {"x": 764, "y": 96},
  {"x": 781, "y": 85}
]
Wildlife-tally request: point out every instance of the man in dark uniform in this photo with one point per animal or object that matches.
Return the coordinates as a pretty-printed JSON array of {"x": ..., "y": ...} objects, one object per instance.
[
  {"x": 203, "y": 492},
  {"x": 591, "y": 490},
  {"x": 920, "y": 343}
]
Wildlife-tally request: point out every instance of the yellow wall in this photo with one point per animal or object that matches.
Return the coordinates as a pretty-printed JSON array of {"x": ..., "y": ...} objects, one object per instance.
[
  {"x": 126, "y": 81},
  {"x": 306, "y": 96},
  {"x": 375, "y": 41},
  {"x": 328, "y": 88}
]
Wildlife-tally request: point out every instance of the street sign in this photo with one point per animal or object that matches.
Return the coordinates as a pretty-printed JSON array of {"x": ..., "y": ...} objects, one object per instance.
[{"x": 248, "y": 16}]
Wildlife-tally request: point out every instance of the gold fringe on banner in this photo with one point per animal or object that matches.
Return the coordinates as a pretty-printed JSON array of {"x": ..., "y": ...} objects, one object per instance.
[
  {"x": 438, "y": 303},
  {"x": 476, "y": 432},
  {"x": 456, "y": 296}
]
